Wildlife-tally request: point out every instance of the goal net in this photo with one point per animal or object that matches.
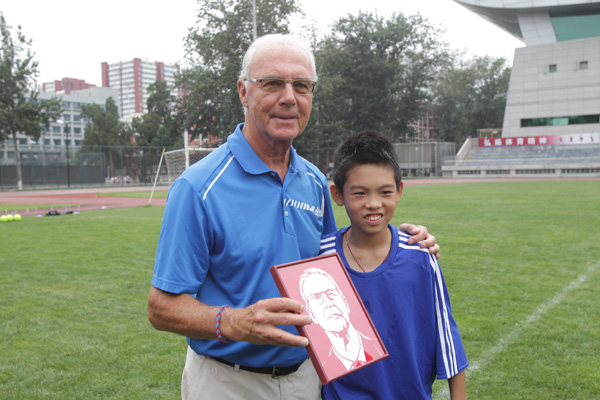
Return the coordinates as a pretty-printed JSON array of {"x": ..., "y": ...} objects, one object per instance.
[{"x": 176, "y": 160}]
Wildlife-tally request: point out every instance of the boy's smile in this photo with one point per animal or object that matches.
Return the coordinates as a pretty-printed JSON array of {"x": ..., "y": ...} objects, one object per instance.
[{"x": 369, "y": 196}]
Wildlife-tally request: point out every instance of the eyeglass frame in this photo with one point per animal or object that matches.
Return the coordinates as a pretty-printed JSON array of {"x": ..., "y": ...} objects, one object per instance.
[{"x": 286, "y": 81}]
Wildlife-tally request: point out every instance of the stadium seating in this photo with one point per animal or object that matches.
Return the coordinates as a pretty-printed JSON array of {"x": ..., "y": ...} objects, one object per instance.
[{"x": 526, "y": 161}]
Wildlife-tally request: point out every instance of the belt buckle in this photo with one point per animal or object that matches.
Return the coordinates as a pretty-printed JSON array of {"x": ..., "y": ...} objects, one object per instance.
[{"x": 274, "y": 374}]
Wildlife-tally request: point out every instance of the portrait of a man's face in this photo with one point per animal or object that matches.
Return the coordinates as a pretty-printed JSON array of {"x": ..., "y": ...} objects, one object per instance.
[
  {"x": 325, "y": 303},
  {"x": 342, "y": 337}
]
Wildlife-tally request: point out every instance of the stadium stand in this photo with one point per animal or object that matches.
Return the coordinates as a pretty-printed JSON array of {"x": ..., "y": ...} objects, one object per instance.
[{"x": 525, "y": 161}]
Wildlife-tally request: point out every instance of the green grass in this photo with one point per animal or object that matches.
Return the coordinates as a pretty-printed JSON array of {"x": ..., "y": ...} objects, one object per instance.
[
  {"x": 521, "y": 260},
  {"x": 74, "y": 325}
]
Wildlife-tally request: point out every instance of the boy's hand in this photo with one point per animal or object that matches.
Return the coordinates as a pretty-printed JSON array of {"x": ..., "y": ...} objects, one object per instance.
[{"x": 421, "y": 235}]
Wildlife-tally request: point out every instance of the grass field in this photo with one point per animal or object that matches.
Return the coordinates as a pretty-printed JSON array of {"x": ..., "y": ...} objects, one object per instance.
[{"x": 521, "y": 260}]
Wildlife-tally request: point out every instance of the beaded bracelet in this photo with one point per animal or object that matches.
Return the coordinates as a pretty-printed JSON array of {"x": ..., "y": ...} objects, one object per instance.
[{"x": 218, "y": 324}]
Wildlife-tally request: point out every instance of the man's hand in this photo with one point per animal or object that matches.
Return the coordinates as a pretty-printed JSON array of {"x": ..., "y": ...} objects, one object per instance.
[
  {"x": 257, "y": 322},
  {"x": 421, "y": 235}
]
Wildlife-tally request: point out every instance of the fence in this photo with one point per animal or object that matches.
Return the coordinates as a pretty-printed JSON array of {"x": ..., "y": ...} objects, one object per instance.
[
  {"x": 423, "y": 159},
  {"x": 55, "y": 167}
]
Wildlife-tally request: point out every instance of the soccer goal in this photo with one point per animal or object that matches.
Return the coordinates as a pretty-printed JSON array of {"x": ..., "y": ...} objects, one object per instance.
[{"x": 177, "y": 161}]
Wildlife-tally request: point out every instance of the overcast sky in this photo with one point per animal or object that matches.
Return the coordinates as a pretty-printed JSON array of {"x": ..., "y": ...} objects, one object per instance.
[{"x": 72, "y": 38}]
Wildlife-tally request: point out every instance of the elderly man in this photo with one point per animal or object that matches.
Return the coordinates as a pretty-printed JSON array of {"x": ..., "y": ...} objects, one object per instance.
[{"x": 252, "y": 203}]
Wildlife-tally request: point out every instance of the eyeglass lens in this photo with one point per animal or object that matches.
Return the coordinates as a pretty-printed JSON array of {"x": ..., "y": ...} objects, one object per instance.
[{"x": 273, "y": 85}]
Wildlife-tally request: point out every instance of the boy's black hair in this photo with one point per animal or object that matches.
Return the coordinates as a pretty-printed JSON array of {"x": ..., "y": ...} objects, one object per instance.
[{"x": 367, "y": 147}]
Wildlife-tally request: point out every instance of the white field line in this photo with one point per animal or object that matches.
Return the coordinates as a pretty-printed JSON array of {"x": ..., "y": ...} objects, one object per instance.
[{"x": 488, "y": 356}]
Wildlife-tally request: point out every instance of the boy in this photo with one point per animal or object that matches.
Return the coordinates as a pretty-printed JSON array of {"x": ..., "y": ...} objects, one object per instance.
[{"x": 401, "y": 285}]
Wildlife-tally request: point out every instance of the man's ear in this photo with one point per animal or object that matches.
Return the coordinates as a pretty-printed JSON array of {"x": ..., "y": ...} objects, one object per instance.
[
  {"x": 242, "y": 92},
  {"x": 336, "y": 195}
]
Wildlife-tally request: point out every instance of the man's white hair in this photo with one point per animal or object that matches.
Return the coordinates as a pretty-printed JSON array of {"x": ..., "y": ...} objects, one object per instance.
[
  {"x": 316, "y": 271},
  {"x": 279, "y": 40}
]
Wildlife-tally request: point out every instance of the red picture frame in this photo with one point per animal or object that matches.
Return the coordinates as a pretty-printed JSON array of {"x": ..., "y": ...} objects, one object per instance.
[{"x": 342, "y": 337}]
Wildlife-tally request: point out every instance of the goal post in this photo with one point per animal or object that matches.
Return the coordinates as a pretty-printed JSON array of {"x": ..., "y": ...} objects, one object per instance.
[{"x": 179, "y": 160}]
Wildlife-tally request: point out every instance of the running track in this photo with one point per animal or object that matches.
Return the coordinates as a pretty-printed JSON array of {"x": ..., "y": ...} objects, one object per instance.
[{"x": 85, "y": 199}]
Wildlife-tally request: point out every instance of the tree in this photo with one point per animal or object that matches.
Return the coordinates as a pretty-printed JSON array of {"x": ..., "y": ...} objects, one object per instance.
[
  {"x": 162, "y": 125},
  {"x": 471, "y": 95},
  {"x": 20, "y": 110},
  {"x": 216, "y": 49},
  {"x": 104, "y": 132},
  {"x": 375, "y": 74}
]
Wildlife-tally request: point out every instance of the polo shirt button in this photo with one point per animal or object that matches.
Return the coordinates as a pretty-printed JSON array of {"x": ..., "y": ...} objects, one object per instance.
[{"x": 287, "y": 213}]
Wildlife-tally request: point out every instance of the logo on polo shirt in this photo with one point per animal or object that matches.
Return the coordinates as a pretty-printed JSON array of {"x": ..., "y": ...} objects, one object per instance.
[{"x": 304, "y": 206}]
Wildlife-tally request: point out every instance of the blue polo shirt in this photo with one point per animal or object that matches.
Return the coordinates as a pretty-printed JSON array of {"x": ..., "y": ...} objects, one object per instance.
[{"x": 227, "y": 220}]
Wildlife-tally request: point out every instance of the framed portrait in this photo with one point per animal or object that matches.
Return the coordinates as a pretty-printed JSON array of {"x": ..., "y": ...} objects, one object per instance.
[{"x": 342, "y": 338}]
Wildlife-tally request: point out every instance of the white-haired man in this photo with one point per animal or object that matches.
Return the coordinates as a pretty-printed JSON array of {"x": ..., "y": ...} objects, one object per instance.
[{"x": 250, "y": 204}]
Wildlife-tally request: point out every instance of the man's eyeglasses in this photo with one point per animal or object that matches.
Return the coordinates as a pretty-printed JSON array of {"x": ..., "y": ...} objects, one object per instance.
[{"x": 276, "y": 85}]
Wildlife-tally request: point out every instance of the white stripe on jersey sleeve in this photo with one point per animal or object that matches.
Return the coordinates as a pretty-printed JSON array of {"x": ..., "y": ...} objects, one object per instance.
[
  {"x": 445, "y": 332},
  {"x": 327, "y": 245},
  {"x": 403, "y": 238}
]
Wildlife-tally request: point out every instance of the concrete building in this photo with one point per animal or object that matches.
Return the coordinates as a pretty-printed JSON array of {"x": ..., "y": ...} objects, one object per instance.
[
  {"x": 55, "y": 159},
  {"x": 551, "y": 124},
  {"x": 71, "y": 131},
  {"x": 66, "y": 85},
  {"x": 132, "y": 78},
  {"x": 555, "y": 82}
]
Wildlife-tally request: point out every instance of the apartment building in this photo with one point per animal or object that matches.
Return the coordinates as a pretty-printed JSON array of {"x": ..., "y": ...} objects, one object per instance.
[{"x": 132, "y": 78}]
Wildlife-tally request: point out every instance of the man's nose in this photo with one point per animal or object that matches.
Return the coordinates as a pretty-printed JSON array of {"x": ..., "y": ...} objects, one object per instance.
[{"x": 288, "y": 94}]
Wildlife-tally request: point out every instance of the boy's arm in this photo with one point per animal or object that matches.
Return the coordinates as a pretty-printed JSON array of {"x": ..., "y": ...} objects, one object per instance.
[{"x": 458, "y": 386}]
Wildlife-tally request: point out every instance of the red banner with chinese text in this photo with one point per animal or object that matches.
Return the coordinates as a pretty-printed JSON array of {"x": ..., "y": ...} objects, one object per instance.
[{"x": 578, "y": 138}]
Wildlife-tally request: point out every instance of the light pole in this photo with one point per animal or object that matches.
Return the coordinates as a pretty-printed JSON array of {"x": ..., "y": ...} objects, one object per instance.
[
  {"x": 66, "y": 128},
  {"x": 253, "y": 19}
]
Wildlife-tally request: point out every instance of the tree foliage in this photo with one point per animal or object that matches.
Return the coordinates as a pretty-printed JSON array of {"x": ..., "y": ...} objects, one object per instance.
[
  {"x": 215, "y": 48},
  {"x": 162, "y": 125},
  {"x": 20, "y": 109},
  {"x": 104, "y": 132},
  {"x": 471, "y": 95},
  {"x": 373, "y": 74}
]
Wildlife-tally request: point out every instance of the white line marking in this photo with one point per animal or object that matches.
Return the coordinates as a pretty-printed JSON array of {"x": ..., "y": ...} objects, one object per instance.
[{"x": 488, "y": 356}]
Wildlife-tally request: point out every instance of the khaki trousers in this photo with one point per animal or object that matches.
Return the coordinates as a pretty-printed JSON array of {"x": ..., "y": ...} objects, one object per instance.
[{"x": 205, "y": 378}]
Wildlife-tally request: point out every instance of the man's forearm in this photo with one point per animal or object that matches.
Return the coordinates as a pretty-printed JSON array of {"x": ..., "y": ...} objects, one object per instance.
[
  {"x": 257, "y": 323},
  {"x": 182, "y": 314}
]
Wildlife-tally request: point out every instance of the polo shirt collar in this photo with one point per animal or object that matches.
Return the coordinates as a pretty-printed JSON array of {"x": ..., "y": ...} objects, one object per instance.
[{"x": 249, "y": 160}]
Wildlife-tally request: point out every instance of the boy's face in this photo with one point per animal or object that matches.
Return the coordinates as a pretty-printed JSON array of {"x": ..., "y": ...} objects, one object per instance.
[{"x": 370, "y": 196}]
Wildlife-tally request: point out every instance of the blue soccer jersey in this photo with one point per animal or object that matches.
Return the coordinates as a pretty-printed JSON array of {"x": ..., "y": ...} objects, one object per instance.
[
  {"x": 228, "y": 219},
  {"x": 408, "y": 302}
]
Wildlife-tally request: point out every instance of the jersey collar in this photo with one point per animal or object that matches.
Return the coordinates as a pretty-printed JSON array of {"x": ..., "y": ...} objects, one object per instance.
[{"x": 249, "y": 160}]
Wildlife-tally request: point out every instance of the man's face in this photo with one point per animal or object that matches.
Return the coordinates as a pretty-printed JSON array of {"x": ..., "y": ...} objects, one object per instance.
[
  {"x": 276, "y": 116},
  {"x": 325, "y": 304}
]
